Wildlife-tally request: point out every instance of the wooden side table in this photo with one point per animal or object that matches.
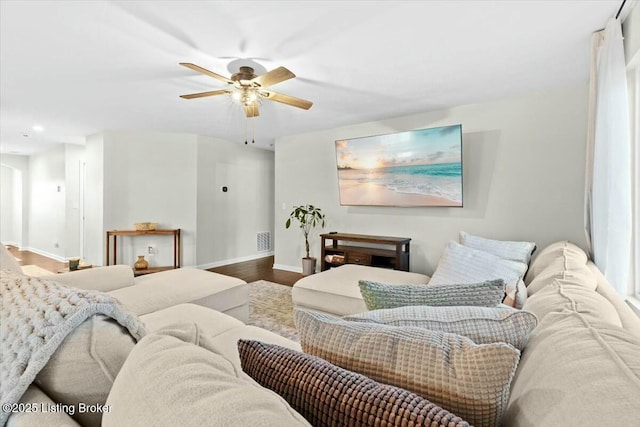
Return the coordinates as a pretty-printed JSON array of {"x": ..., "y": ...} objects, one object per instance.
[{"x": 176, "y": 247}]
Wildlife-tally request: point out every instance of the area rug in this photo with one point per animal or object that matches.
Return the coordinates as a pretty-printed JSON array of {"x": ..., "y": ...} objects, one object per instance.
[
  {"x": 271, "y": 308},
  {"x": 35, "y": 271}
]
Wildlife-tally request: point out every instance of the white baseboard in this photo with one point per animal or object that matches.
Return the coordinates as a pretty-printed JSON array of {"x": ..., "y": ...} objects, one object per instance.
[
  {"x": 287, "y": 268},
  {"x": 47, "y": 254},
  {"x": 234, "y": 260},
  {"x": 12, "y": 244}
]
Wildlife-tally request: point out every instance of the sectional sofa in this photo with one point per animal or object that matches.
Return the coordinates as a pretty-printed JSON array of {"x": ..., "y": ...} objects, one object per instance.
[{"x": 581, "y": 366}]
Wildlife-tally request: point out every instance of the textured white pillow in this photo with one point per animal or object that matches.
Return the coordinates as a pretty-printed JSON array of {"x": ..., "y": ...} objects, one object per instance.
[
  {"x": 514, "y": 251},
  {"x": 461, "y": 264}
]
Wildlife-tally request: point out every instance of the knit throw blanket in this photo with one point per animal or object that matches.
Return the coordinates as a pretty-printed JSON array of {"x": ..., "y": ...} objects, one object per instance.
[{"x": 36, "y": 316}]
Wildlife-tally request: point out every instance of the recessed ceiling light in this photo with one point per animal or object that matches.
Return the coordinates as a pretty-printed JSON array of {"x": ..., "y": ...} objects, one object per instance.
[{"x": 37, "y": 128}]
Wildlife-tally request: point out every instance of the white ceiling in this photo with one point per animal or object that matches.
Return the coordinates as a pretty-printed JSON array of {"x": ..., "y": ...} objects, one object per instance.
[{"x": 81, "y": 67}]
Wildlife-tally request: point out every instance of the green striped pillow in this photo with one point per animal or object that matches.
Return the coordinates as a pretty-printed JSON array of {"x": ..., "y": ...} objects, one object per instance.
[{"x": 379, "y": 295}]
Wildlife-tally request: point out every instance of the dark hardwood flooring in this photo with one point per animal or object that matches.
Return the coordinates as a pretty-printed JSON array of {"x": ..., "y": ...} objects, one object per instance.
[
  {"x": 258, "y": 269},
  {"x": 249, "y": 271}
]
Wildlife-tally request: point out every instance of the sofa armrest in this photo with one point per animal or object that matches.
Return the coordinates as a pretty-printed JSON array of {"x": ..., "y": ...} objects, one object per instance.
[
  {"x": 43, "y": 413},
  {"x": 102, "y": 279}
]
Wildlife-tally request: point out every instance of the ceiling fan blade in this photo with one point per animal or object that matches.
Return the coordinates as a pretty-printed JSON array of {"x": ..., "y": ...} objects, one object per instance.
[
  {"x": 251, "y": 110},
  {"x": 203, "y": 94},
  {"x": 199, "y": 69},
  {"x": 273, "y": 77},
  {"x": 286, "y": 99}
]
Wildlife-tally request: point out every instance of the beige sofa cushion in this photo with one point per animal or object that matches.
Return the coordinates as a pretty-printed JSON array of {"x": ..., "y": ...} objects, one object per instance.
[
  {"x": 219, "y": 332},
  {"x": 336, "y": 290},
  {"x": 102, "y": 279},
  {"x": 568, "y": 294},
  {"x": 210, "y": 321},
  {"x": 156, "y": 291},
  {"x": 85, "y": 365},
  {"x": 557, "y": 257},
  {"x": 630, "y": 320},
  {"x": 34, "y": 399},
  {"x": 576, "y": 373},
  {"x": 471, "y": 380},
  {"x": 226, "y": 343},
  {"x": 345, "y": 398},
  {"x": 169, "y": 380}
]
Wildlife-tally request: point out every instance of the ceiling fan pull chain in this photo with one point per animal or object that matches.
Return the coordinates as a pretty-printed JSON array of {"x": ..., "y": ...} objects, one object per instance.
[
  {"x": 245, "y": 130},
  {"x": 253, "y": 133}
]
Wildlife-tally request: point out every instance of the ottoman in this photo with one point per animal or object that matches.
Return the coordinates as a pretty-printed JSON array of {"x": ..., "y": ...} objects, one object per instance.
[
  {"x": 336, "y": 291},
  {"x": 153, "y": 292}
]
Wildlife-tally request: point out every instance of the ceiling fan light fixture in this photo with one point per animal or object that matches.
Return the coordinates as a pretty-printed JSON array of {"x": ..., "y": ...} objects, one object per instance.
[{"x": 247, "y": 89}]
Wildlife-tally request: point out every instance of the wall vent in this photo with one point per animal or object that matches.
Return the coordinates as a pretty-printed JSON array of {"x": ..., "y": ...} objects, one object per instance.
[{"x": 264, "y": 241}]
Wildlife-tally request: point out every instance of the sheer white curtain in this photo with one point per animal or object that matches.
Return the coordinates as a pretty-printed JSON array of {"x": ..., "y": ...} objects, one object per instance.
[{"x": 608, "y": 172}]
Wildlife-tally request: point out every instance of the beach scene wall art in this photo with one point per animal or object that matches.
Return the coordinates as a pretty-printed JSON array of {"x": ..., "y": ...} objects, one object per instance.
[{"x": 415, "y": 168}]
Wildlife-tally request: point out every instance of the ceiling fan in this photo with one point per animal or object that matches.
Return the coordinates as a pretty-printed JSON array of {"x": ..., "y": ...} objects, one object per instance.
[{"x": 249, "y": 89}]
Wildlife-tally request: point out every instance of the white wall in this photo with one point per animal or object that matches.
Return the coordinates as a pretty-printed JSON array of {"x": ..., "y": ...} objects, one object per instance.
[
  {"x": 523, "y": 172},
  {"x": 8, "y": 228},
  {"x": 227, "y": 222},
  {"x": 151, "y": 177},
  {"x": 94, "y": 231},
  {"x": 15, "y": 209},
  {"x": 174, "y": 180},
  {"x": 74, "y": 158},
  {"x": 47, "y": 233}
]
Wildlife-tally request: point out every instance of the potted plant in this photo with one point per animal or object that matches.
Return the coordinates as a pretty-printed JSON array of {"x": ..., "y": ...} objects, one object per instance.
[{"x": 308, "y": 217}]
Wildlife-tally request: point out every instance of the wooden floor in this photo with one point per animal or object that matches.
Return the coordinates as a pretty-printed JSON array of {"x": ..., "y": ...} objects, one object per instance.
[
  {"x": 259, "y": 269},
  {"x": 249, "y": 271},
  {"x": 31, "y": 258}
]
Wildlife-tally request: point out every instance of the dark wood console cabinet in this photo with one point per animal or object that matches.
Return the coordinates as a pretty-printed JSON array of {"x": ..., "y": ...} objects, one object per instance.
[{"x": 379, "y": 255}]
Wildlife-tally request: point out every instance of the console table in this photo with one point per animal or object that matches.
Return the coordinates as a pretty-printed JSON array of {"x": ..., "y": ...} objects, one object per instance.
[
  {"x": 176, "y": 246},
  {"x": 376, "y": 256}
]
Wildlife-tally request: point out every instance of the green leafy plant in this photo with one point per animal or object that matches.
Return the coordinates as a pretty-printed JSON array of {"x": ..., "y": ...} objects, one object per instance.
[{"x": 308, "y": 217}]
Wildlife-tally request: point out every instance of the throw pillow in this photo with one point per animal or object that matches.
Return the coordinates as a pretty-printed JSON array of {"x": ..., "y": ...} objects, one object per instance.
[
  {"x": 461, "y": 264},
  {"x": 344, "y": 397},
  {"x": 379, "y": 295},
  {"x": 471, "y": 380},
  {"x": 169, "y": 379},
  {"x": 514, "y": 251},
  {"x": 483, "y": 325},
  {"x": 85, "y": 365}
]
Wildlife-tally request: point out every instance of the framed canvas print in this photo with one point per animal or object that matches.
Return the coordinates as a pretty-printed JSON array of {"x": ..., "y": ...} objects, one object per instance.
[{"x": 416, "y": 168}]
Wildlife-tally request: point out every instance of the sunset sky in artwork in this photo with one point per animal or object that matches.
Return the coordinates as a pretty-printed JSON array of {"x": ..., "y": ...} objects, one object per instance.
[{"x": 419, "y": 147}]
